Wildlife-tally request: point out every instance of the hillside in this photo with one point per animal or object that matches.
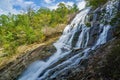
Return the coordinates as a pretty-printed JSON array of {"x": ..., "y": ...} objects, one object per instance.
[{"x": 24, "y": 32}]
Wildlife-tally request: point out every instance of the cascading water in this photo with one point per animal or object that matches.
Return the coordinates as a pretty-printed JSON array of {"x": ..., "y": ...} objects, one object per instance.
[{"x": 72, "y": 47}]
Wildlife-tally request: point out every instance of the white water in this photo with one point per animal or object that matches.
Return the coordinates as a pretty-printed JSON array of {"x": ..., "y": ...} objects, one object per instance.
[
  {"x": 66, "y": 42},
  {"x": 102, "y": 38},
  {"x": 103, "y": 35}
]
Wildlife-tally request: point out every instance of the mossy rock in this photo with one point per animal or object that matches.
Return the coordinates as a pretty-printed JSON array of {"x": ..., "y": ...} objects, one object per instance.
[
  {"x": 90, "y": 17},
  {"x": 116, "y": 19},
  {"x": 88, "y": 24}
]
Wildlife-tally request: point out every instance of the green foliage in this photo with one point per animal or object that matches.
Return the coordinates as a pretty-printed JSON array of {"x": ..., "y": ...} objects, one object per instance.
[
  {"x": 16, "y": 30},
  {"x": 88, "y": 24},
  {"x": 95, "y": 3},
  {"x": 116, "y": 19},
  {"x": 75, "y": 8}
]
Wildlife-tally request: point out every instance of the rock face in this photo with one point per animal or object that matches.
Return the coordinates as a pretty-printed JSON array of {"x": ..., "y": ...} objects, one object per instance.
[
  {"x": 15, "y": 68},
  {"x": 93, "y": 35},
  {"x": 104, "y": 64}
]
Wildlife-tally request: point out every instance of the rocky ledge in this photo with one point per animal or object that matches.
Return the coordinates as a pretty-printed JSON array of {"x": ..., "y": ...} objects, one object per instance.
[
  {"x": 103, "y": 64},
  {"x": 13, "y": 69}
]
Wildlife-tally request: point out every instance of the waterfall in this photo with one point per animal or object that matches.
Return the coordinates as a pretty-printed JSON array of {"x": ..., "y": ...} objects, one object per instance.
[
  {"x": 103, "y": 35},
  {"x": 76, "y": 36}
]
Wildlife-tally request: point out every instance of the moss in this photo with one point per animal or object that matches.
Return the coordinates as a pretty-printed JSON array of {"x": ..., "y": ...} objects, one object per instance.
[
  {"x": 88, "y": 24},
  {"x": 90, "y": 17},
  {"x": 116, "y": 19},
  {"x": 116, "y": 22},
  {"x": 113, "y": 21},
  {"x": 95, "y": 3}
]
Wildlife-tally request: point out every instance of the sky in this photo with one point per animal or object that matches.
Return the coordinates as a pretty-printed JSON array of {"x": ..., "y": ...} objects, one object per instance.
[{"x": 20, "y": 6}]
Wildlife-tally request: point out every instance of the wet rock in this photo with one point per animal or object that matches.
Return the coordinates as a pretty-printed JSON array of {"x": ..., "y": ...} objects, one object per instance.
[
  {"x": 15, "y": 68},
  {"x": 110, "y": 34},
  {"x": 97, "y": 10},
  {"x": 93, "y": 34},
  {"x": 75, "y": 38}
]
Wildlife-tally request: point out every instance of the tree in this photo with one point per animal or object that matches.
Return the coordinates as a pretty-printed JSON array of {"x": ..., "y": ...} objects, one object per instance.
[
  {"x": 75, "y": 8},
  {"x": 95, "y": 3},
  {"x": 26, "y": 28}
]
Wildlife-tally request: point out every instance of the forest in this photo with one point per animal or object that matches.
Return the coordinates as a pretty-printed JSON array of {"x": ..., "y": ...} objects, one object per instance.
[{"x": 31, "y": 27}]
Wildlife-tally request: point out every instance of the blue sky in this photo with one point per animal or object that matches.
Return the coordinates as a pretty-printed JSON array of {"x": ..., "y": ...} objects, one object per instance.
[{"x": 19, "y": 6}]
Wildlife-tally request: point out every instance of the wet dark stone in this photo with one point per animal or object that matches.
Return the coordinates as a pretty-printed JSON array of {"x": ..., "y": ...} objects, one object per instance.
[
  {"x": 93, "y": 34},
  {"x": 97, "y": 10},
  {"x": 75, "y": 38},
  {"x": 110, "y": 34}
]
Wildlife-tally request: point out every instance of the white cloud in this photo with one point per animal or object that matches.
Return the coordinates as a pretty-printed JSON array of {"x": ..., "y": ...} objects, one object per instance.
[
  {"x": 55, "y": 6},
  {"x": 52, "y": 7},
  {"x": 7, "y": 6},
  {"x": 67, "y": 3},
  {"x": 80, "y": 3},
  {"x": 49, "y": 1},
  {"x": 70, "y": 3},
  {"x": 25, "y": 4}
]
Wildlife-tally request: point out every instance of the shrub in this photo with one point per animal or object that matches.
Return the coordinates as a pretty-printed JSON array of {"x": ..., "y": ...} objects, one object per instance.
[{"x": 95, "y": 3}]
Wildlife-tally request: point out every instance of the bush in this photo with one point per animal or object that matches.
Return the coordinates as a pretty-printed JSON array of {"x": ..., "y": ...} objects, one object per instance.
[
  {"x": 95, "y": 3},
  {"x": 10, "y": 48}
]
